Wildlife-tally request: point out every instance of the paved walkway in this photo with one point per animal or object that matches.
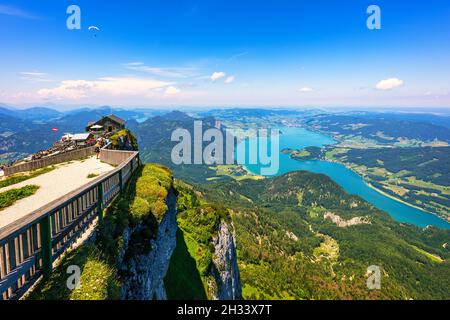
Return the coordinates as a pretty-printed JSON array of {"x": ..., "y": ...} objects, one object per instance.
[{"x": 54, "y": 184}]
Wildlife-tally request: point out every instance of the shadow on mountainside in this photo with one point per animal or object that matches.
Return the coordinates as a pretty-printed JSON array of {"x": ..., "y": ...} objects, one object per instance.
[{"x": 183, "y": 280}]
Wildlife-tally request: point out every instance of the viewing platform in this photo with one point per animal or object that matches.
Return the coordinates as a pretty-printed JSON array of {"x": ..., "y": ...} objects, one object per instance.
[
  {"x": 66, "y": 178},
  {"x": 31, "y": 243},
  {"x": 38, "y": 229}
]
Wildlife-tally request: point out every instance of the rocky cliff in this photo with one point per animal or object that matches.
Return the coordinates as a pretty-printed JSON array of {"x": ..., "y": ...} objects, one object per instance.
[
  {"x": 144, "y": 274},
  {"x": 227, "y": 284}
]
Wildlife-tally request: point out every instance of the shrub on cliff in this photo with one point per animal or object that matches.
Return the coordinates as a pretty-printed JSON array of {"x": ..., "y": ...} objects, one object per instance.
[
  {"x": 140, "y": 207},
  {"x": 124, "y": 140}
]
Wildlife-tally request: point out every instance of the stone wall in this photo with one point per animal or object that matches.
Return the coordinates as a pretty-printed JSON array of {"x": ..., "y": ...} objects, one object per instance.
[{"x": 113, "y": 157}]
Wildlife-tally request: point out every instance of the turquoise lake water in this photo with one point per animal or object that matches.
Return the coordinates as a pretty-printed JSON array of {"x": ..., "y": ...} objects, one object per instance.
[{"x": 297, "y": 138}]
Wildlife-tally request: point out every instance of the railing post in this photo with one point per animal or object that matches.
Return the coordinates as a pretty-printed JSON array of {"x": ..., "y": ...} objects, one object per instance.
[
  {"x": 120, "y": 180},
  {"x": 100, "y": 202},
  {"x": 46, "y": 246}
]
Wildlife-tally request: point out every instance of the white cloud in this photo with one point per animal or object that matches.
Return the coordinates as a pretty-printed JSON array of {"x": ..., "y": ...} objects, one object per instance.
[
  {"x": 237, "y": 56},
  {"x": 306, "y": 89},
  {"x": 217, "y": 76},
  {"x": 230, "y": 79},
  {"x": 171, "y": 90},
  {"x": 389, "y": 84},
  {"x": 35, "y": 76},
  {"x": 110, "y": 86},
  {"x": 16, "y": 12},
  {"x": 168, "y": 72}
]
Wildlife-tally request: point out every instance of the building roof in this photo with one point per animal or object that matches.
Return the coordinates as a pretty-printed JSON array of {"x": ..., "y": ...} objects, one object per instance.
[
  {"x": 116, "y": 119},
  {"x": 111, "y": 117},
  {"x": 81, "y": 136}
]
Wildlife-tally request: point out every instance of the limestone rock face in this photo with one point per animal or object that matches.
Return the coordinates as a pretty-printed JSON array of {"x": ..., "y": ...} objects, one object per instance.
[
  {"x": 227, "y": 284},
  {"x": 144, "y": 274},
  {"x": 342, "y": 223}
]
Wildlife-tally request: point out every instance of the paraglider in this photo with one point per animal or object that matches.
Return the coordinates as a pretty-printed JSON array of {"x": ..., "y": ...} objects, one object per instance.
[{"x": 95, "y": 28}]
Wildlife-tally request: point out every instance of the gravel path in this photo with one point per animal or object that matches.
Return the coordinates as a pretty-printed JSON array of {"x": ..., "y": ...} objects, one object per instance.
[{"x": 54, "y": 184}]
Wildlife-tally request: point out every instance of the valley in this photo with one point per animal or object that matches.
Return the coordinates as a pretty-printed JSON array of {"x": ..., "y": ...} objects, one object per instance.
[{"x": 308, "y": 232}]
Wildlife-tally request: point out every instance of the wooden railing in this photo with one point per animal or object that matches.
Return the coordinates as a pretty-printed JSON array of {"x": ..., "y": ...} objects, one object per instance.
[
  {"x": 29, "y": 246},
  {"x": 50, "y": 160}
]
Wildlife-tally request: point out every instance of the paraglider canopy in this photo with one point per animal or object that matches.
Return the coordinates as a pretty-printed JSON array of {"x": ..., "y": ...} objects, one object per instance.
[{"x": 95, "y": 29}]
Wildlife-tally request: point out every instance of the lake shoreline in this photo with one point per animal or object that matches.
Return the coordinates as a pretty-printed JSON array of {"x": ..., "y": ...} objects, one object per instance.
[
  {"x": 370, "y": 185},
  {"x": 357, "y": 184},
  {"x": 366, "y": 181}
]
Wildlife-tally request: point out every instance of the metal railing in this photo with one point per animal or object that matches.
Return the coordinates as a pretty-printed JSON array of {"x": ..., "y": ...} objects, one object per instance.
[{"x": 30, "y": 245}]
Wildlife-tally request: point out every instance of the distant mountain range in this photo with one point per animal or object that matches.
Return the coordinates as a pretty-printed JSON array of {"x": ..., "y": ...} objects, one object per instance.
[
  {"x": 26, "y": 131},
  {"x": 31, "y": 114},
  {"x": 155, "y": 145},
  {"x": 376, "y": 126},
  {"x": 438, "y": 120},
  {"x": 45, "y": 114}
]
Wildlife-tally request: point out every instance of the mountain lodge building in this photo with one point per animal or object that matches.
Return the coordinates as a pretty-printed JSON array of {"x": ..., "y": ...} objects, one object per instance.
[{"x": 109, "y": 123}]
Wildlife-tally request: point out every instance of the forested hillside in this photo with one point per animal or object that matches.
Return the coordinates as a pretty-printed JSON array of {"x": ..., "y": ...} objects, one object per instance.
[
  {"x": 428, "y": 164},
  {"x": 300, "y": 236}
]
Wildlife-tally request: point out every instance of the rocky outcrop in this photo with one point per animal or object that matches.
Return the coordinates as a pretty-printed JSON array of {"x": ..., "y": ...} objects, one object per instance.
[
  {"x": 226, "y": 276},
  {"x": 144, "y": 274},
  {"x": 342, "y": 223}
]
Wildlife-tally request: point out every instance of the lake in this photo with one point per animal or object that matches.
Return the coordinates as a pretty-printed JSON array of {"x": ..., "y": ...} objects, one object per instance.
[{"x": 297, "y": 138}]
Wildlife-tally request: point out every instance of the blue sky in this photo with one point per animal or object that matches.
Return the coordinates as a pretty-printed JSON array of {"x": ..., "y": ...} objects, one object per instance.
[{"x": 225, "y": 53}]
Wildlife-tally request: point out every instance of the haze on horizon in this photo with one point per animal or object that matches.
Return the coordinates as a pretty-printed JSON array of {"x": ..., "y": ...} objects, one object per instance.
[{"x": 225, "y": 53}]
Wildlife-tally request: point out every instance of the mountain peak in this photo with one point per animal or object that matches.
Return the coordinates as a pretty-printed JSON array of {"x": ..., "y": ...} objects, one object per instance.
[{"x": 177, "y": 116}]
